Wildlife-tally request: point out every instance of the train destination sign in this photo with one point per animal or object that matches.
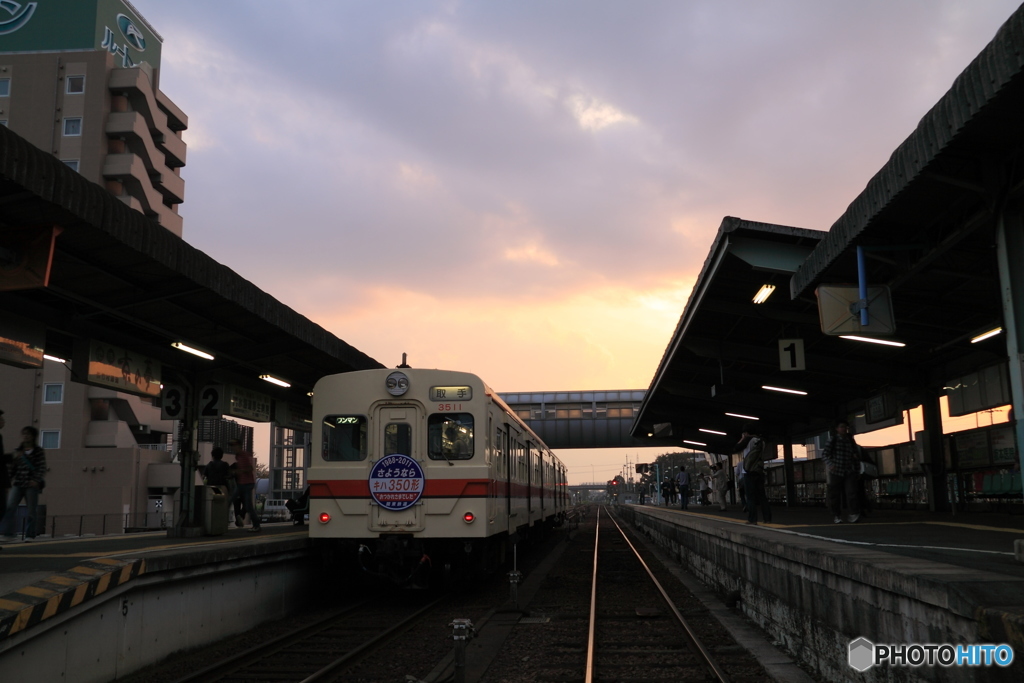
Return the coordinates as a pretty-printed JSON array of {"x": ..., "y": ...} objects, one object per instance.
[
  {"x": 454, "y": 393},
  {"x": 396, "y": 482}
]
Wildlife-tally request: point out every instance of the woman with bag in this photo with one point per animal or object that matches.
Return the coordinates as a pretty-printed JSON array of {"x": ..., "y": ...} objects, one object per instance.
[{"x": 27, "y": 481}]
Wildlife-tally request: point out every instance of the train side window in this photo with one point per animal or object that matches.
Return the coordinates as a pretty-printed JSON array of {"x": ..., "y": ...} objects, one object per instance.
[
  {"x": 344, "y": 437},
  {"x": 450, "y": 436},
  {"x": 398, "y": 439}
]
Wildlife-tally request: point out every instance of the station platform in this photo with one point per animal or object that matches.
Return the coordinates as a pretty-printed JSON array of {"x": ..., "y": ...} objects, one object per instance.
[
  {"x": 895, "y": 577},
  {"x": 44, "y": 578},
  {"x": 973, "y": 540}
]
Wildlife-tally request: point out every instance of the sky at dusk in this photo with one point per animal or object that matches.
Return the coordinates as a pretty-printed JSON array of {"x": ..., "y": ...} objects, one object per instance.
[{"x": 527, "y": 190}]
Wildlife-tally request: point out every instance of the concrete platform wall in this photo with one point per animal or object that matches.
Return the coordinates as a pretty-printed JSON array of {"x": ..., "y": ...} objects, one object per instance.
[
  {"x": 185, "y": 606},
  {"x": 815, "y": 596}
]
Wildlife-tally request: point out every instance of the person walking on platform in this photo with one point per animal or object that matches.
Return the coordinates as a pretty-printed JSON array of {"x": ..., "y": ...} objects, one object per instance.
[
  {"x": 702, "y": 487},
  {"x": 752, "y": 448},
  {"x": 28, "y": 480},
  {"x": 683, "y": 487},
  {"x": 842, "y": 455},
  {"x": 721, "y": 481},
  {"x": 245, "y": 480},
  {"x": 741, "y": 491},
  {"x": 5, "y": 475}
]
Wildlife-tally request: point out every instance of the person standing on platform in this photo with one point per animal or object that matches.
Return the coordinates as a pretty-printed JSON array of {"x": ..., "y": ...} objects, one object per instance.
[
  {"x": 683, "y": 488},
  {"x": 245, "y": 480},
  {"x": 702, "y": 487},
  {"x": 741, "y": 491},
  {"x": 672, "y": 491},
  {"x": 27, "y": 481},
  {"x": 5, "y": 474},
  {"x": 217, "y": 471},
  {"x": 842, "y": 455},
  {"x": 721, "y": 480},
  {"x": 753, "y": 446}
]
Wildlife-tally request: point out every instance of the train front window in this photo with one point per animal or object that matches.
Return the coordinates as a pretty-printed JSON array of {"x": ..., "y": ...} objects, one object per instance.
[
  {"x": 398, "y": 439},
  {"x": 450, "y": 436},
  {"x": 344, "y": 437}
]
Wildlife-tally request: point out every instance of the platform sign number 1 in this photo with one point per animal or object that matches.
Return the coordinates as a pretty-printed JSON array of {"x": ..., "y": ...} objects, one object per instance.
[{"x": 791, "y": 354}]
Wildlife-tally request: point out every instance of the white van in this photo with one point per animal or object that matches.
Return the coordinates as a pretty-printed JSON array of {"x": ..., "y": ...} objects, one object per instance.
[{"x": 275, "y": 510}]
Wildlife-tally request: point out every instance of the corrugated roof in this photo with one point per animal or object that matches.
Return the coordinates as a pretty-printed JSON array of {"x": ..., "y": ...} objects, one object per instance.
[{"x": 975, "y": 89}]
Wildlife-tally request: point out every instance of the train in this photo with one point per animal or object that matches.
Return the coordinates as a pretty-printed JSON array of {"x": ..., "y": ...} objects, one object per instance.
[{"x": 419, "y": 470}]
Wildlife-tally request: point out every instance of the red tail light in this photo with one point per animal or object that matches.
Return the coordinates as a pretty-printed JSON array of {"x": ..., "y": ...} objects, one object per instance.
[
  {"x": 468, "y": 517},
  {"x": 325, "y": 517}
]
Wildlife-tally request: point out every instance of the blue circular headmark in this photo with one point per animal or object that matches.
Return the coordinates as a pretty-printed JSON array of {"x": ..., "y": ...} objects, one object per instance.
[{"x": 396, "y": 482}]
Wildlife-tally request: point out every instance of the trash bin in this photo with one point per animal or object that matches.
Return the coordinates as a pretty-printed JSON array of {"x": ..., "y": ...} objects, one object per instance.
[{"x": 215, "y": 510}]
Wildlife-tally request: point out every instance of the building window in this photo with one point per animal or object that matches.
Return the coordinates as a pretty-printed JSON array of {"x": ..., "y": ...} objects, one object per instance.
[
  {"x": 73, "y": 127},
  {"x": 71, "y": 163},
  {"x": 75, "y": 85},
  {"x": 53, "y": 393},
  {"x": 5, "y": 87},
  {"x": 49, "y": 438}
]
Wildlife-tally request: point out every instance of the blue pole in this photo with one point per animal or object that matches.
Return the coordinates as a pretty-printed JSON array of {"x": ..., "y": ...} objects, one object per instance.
[{"x": 862, "y": 282}]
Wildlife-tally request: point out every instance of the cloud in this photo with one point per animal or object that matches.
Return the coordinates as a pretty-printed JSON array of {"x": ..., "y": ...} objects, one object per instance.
[{"x": 593, "y": 115}]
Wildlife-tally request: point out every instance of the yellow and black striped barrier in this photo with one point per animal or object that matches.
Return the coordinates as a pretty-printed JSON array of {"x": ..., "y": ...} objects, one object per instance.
[{"x": 46, "y": 598}]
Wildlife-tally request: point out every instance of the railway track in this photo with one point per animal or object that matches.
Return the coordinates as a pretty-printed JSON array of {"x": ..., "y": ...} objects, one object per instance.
[
  {"x": 605, "y": 613},
  {"x": 318, "y": 652},
  {"x": 655, "y": 641}
]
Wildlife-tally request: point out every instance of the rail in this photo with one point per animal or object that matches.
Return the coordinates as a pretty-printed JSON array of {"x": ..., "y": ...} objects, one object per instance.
[{"x": 697, "y": 646}]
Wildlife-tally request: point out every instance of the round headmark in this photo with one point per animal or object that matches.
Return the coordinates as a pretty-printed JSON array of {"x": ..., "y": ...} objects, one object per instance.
[
  {"x": 397, "y": 383},
  {"x": 396, "y": 482}
]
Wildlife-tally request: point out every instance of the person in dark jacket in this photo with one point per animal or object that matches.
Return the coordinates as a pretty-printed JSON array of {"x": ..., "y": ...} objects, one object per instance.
[
  {"x": 842, "y": 454},
  {"x": 5, "y": 475},
  {"x": 27, "y": 481},
  {"x": 217, "y": 471}
]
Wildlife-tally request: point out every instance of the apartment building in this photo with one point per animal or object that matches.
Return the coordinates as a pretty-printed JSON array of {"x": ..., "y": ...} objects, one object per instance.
[{"x": 80, "y": 80}]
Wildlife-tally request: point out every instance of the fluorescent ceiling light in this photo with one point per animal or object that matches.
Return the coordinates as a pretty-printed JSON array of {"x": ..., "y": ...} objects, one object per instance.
[
  {"x": 54, "y": 358},
  {"x": 784, "y": 390},
  {"x": 745, "y": 417},
  {"x": 274, "y": 380},
  {"x": 763, "y": 293},
  {"x": 986, "y": 335},
  {"x": 884, "y": 342},
  {"x": 695, "y": 443},
  {"x": 712, "y": 431},
  {"x": 194, "y": 352}
]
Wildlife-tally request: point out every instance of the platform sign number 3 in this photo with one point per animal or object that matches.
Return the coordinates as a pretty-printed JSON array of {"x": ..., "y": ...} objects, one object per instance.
[
  {"x": 172, "y": 402},
  {"x": 791, "y": 354}
]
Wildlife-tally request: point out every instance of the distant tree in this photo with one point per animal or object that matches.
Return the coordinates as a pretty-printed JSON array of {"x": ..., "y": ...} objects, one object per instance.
[{"x": 262, "y": 471}]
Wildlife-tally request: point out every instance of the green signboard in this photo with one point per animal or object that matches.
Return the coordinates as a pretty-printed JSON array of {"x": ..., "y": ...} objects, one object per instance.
[{"x": 112, "y": 25}]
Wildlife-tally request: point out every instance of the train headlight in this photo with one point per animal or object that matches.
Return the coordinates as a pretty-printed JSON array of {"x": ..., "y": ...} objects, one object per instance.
[
  {"x": 397, "y": 383},
  {"x": 324, "y": 517},
  {"x": 468, "y": 517}
]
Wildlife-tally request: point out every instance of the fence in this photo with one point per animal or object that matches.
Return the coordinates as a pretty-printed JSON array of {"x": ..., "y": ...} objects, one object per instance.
[{"x": 62, "y": 526}]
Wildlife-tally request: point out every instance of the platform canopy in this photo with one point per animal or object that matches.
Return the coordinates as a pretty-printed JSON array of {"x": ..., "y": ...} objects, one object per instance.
[
  {"x": 926, "y": 222},
  {"x": 119, "y": 278}
]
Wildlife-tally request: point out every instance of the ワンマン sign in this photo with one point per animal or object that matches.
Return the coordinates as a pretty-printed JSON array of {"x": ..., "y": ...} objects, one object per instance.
[{"x": 112, "y": 25}]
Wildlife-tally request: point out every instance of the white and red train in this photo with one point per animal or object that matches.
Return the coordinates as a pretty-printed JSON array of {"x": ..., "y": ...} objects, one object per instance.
[{"x": 414, "y": 468}]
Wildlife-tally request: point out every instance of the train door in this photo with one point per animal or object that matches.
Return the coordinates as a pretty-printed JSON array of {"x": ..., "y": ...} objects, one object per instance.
[
  {"x": 543, "y": 481},
  {"x": 505, "y": 467},
  {"x": 396, "y": 432},
  {"x": 530, "y": 479}
]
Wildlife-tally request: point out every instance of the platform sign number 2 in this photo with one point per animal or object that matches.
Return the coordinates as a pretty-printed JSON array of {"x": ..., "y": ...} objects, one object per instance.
[{"x": 791, "y": 354}]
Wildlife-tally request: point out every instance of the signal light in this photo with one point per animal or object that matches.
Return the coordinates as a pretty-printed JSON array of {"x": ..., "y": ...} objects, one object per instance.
[
  {"x": 468, "y": 517},
  {"x": 324, "y": 517}
]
